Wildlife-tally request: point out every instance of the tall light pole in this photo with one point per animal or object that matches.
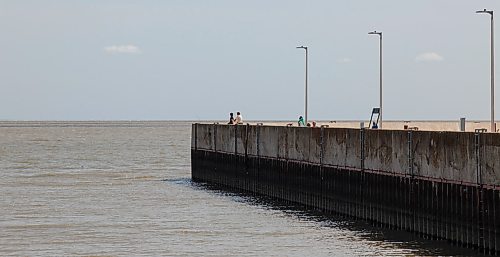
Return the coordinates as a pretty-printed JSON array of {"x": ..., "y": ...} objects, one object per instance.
[
  {"x": 493, "y": 127},
  {"x": 305, "y": 114},
  {"x": 380, "y": 66}
]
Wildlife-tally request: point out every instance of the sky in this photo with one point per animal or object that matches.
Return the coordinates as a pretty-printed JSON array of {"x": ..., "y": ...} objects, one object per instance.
[{"x": 200, "y": 60}]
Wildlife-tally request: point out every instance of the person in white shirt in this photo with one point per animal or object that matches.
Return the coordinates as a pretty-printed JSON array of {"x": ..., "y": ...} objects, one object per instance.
[{"x": 239, "y": 119}]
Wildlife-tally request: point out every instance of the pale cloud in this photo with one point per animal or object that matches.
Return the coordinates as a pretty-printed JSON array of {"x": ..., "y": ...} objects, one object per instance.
[
  {"x": 122, "y": 49},
  {"x": 429, "y": 57},
  {"x": 344, "y": 60}
]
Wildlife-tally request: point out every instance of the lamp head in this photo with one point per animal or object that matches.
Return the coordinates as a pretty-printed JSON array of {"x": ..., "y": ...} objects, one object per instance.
[
  {"x": 375, "y": 33},
  {"x": 485, "y": 11},
  {"x": 303, "y": 47}
]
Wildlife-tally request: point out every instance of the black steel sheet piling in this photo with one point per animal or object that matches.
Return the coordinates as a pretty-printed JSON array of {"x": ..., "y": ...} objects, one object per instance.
[{"x": 385, "y": 177}]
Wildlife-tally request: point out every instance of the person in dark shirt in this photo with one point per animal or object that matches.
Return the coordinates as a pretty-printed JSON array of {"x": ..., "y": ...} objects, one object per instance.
[{"x": 231, "y": 119}]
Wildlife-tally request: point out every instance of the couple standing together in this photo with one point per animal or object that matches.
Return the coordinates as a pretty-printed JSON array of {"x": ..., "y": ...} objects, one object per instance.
[{"x": 238, "y": 120}]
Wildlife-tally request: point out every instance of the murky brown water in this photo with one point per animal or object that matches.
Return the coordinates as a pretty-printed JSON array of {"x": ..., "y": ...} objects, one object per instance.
[{"x": 124, "y": 189}]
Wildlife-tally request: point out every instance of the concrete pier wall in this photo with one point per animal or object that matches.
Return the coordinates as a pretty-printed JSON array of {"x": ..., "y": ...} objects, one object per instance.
[
  {"x": 439, "y": 184},
  {"x": 463, "y": 157}
]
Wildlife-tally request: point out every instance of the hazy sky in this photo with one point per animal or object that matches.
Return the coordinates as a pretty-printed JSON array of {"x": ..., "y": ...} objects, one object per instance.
[{"x": 199, "y": 59}]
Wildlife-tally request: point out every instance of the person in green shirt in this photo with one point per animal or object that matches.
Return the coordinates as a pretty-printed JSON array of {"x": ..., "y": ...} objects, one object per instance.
[{"x": 301, "y": 122}]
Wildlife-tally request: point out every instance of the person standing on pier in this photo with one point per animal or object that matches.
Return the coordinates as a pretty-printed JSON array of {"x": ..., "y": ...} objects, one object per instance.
[
  {"x": 239, "y": 119},
  {"x": 301, "y": 122}
]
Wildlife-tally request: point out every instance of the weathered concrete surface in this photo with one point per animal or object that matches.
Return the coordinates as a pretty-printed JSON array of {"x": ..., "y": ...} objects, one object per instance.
[
  {"x": 445, "y": 155},
  {"x": 490, "y": 159},
  {"x": 225, "y": 138},
  {"x": 283, "y": 147},
  {"x": 298, "y": 142},
  {"x": 353, "y": 148},
  {"x": 205, "y": 136},
  {"x": 252, "y": 140},
  {"x": 439, "y": 155},
  {"x": 315, "y": 145},
  {"x": 387, "y": 150},
  {"x": 241, "y": 138},
  {"x": 269, "y": 141},
  {"x": 335, "y": 150}
]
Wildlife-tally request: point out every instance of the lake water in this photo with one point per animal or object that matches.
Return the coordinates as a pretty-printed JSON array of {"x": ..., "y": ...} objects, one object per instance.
[{"x": 124, "y": 189}]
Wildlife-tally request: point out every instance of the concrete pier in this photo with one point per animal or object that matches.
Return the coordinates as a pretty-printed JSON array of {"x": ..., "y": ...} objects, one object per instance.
[{"x": 442, "y": 185}]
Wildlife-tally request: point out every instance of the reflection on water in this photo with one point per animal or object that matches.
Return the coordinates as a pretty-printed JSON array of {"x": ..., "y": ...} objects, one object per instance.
[
  {"x": 387, "y": 242},
  {"x": 124, "y": 189}
]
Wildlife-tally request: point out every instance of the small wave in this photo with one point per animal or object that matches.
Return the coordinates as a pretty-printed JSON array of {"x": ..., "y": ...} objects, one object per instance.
[
  {"x": 137, "y": 178},
  {"x": 179, "y": 181},
  {"x": 42, "y": 175},
  {"x": 39, "y": 140}
]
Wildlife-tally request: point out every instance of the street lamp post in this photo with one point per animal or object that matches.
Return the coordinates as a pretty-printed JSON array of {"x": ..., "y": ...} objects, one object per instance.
[
  {"x": 305, "y": 114},
  {"x": 493, "y": 127},
  {"x": 380, "y": 66}
]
